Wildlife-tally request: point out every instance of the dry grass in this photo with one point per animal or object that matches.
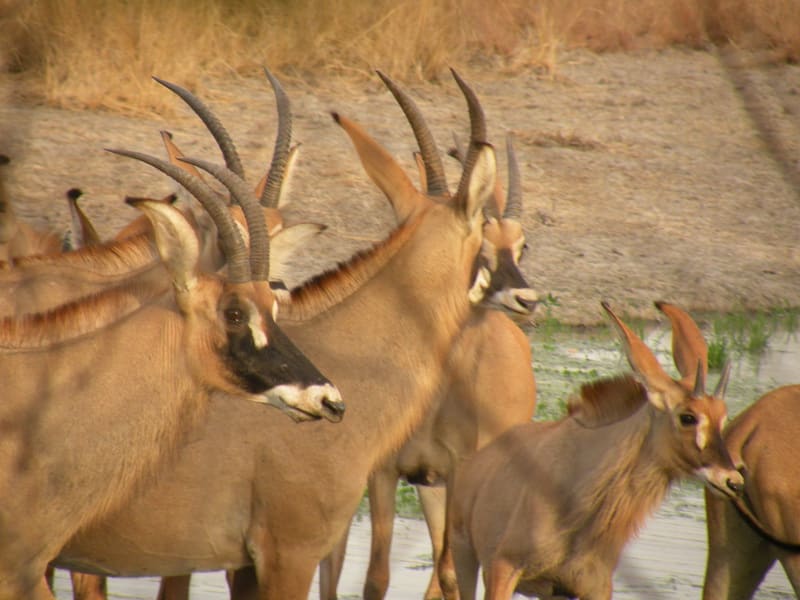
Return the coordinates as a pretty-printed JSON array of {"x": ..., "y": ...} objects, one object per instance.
[{"x": 101, "y": 53}]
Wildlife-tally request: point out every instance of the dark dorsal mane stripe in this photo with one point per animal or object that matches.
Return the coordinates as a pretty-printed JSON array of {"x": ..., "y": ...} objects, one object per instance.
[
  {"x": 77, "y": 318},
  {"x": 607, "y": 401},
  {"x": 134, "y": 251},
  {"x": 332, "y": 286}
]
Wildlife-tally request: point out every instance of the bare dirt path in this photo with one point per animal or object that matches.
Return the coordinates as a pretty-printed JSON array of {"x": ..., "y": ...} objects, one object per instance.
[{"x": 668, "y": 174}]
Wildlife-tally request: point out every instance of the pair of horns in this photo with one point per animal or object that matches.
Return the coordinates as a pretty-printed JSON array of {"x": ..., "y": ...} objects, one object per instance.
[
  {"x": 280, "y": 155},
  {"x": 434, "y": 169},
  {"x": 232, "y": 177},
  {"x": 431, "y": 158}
]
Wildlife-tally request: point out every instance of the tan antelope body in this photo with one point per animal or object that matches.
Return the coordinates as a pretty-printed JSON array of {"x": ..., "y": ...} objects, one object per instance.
[
  {"x": 547, "y": 508},
  {"x": 382, "y": 326},
  {"x": 140, "y": 365},
  {"x": 762, "y": 441},
  {"x": 490, "y": 351}
]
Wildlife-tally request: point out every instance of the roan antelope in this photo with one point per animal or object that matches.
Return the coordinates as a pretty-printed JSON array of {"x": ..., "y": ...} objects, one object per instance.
[
  {"x": 547, "y": 508},
  {"x": 140, "y": 364},
  {"x": 272, "y": 192},
  {"x": 382, "y": 326},
  {"x": 467, "y": 413},
  {"x": 747, "y": 536}
]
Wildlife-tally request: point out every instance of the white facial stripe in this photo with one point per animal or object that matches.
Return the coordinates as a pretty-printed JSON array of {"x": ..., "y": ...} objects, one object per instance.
[
  {"x": 482, "y": 280},
  {"x": 702, "y": 437},
  {"x": 275, "y": 308},
  {"x": 257, "y": 328}
]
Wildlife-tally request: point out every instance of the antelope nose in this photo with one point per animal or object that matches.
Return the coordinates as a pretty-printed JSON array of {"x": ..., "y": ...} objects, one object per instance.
[
  {"x": 736, "y": 485},
  {"x": 528, "y": 304},
  {"x": 332, "y": 404}
]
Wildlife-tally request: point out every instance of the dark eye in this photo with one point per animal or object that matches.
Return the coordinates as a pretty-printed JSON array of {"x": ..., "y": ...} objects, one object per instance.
[
  {"x": 688, "y": 419},
  {"x": 234, "y": 316}
]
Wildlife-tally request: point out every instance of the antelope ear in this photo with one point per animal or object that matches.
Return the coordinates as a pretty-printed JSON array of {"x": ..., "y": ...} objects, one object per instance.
[
  {"x": 291, "y": 162},
  {"x": 383, "y": 169},
  {"x": 82, "y": 230},
  {"x": 689, "y": 348},
  {"x": 480, "y": 185},
  {"x": 641, "y": 358},
  {"x": 423, "y": 174},
  {"x": 174, "y": 154},
  {"x": 176, "y": 241},
  {"x": 659, "y": 398},
  {"x": 288, "y": 241}
]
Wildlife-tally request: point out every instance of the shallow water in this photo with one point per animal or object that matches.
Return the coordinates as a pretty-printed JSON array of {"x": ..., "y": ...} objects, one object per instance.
[{"x": 666, "y": 561}]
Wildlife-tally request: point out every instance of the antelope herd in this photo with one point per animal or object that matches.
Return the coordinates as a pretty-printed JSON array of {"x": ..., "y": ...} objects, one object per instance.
[{"x": 134, "y": 440}]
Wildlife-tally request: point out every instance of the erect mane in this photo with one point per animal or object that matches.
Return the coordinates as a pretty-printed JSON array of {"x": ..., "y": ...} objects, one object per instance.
[
  {"x": 606, "y": 401},
  {"x": 81, "y": 317},
  {"x": 329, "y": 288},
  {"x": 113, "y": 257}
]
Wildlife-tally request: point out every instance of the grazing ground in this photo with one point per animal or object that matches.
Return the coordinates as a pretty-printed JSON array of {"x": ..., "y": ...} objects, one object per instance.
[{"x": 663, "y": 174}]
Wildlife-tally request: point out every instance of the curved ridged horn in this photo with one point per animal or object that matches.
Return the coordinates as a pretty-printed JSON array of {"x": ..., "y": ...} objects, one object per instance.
[
  {"x": 223, "y": 139},
  {"x": 719, "y": 391},
  {"x": 514, "y": 192},
  {"x": 477, "y": 135},
  {"x": 253, "y": 213},
  {"x": 434, "y": 169},
  {"x": 230, "y": 239},
  {"x": 699, "y": 381},
  {"x": 283, "y": 139}
]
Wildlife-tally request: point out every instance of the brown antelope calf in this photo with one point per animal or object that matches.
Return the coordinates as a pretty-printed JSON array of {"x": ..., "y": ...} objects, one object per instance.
[
  {"x": 382, "y": 325},
  {"x": 140, "y": 365},
  {"x": 490, "y": 348},
  {"x": 747, "y": 536},
  {"x": 547, "y": 508}
]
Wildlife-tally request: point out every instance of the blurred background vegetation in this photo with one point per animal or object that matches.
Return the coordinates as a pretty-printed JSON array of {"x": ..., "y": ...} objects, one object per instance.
[{"x": 101, "y": 53}]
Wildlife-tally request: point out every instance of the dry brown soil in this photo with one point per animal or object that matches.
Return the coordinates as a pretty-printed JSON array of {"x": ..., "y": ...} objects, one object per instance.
[{"x": 672, "y": 174}]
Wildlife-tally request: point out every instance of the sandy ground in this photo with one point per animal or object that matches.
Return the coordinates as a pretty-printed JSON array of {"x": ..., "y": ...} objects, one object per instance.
[{"x": 671, "y": 174}]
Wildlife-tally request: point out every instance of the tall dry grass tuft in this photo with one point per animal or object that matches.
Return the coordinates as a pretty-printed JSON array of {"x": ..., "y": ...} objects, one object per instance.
[
  {"x": 761, "y": 24},
  {"x": 101, "y": 53}
]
